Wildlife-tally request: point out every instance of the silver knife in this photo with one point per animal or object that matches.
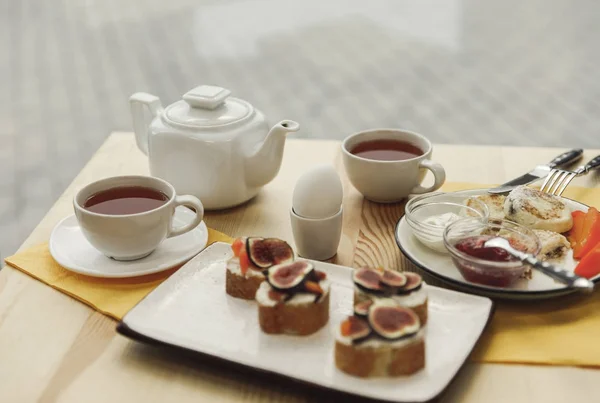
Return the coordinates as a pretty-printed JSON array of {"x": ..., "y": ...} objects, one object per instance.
[{"x": 539, "y": 172}]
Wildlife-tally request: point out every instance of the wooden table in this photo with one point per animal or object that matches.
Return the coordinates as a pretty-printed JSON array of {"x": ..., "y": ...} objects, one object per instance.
[{"x": 56, "y": 349}]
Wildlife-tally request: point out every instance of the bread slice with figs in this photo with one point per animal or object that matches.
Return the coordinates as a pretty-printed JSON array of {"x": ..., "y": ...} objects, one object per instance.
[
  {"x": 251, "y": 257},
  {"x": 385, "y": 341},
  {"x": 294, "y": 299},
  {"x": 537, "y": 210},
  {"x": 406, "y": 288}
]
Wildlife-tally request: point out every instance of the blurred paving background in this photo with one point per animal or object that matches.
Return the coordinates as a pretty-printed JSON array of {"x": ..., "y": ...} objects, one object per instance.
[{"x": 459, "y": 71}]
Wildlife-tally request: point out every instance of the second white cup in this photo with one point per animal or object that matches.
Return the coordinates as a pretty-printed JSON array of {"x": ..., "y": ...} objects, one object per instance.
[{"x": 388, "y": 181}]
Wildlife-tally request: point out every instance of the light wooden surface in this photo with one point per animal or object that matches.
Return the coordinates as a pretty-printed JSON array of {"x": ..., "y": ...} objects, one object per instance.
[{"x": 55, "y": 349}]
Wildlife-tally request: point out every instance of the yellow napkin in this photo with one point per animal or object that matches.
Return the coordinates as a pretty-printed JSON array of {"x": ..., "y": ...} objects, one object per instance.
[
  {"x": 559, "y": 331},
  {"x": 112, "y": 297}
]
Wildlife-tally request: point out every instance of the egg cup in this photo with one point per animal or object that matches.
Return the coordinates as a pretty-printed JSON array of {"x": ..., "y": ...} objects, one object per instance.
[{"x": 317, "y": 238}]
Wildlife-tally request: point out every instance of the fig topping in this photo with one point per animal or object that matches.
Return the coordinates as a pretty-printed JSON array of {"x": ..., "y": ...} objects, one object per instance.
[
  {"x": 313, "y": 287},
  {"x": 264, "y": 253},
  {"x": 393, "y": 278},
  {"x": 288, "y": 275},
  {"x": 393, "y": 322},
  {"x": 368, "y": 279},
  {"x": 356, "y": 329},
  {"x": 317, "y": 276},
  {"x": 413, "y": 283},
  {"x": 362, "y": 308},
  {"x": 276, "y": 296},
  {"x": 320, "y": 275},
  {"x": 281, "y": 252}
]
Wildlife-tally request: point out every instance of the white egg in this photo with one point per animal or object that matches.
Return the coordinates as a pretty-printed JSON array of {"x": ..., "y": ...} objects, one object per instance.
[{"x": 318, "y": 193}]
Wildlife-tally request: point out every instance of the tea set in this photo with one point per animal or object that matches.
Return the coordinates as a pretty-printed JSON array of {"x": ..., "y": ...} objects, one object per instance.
[{"x": 212, "y": 151}]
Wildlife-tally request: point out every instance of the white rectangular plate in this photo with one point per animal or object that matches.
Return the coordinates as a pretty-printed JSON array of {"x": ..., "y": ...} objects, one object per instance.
[{"x": 191, "y": 310}]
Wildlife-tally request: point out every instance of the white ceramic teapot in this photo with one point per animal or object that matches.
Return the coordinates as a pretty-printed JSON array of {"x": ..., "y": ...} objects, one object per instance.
[{"x": 215, "y": 147}]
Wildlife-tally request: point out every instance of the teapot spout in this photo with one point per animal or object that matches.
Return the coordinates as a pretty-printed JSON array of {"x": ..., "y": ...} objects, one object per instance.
[{"x": 263, "y": 164}]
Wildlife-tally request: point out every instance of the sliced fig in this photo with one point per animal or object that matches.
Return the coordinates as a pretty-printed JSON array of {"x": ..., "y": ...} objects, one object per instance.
[
  {"x": 264, "y": 253},
  {"x": 368, "y": 280},
  {"x": 362, "y": 308},
  {"x": 281, "y": 252},
  {"x": 413, "y": 283},
  {"x": 258, "y": 254},
  {"x": 393, "y": 278},
  {"x": 393, "y": 322},
  {"x": 356, "y": 329},
  {"x": 288, "y": 275}
]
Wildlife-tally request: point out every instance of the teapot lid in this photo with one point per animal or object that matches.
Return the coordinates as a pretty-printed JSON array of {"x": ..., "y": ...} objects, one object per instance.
[{"x": 208, "y": 106}]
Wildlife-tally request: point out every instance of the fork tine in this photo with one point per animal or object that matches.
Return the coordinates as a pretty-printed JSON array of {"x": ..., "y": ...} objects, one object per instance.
[
  {"x": 548, "y": 179},
  {"x": 556, "y": 178},
  {"x": 561, "y": 177},
  {"x": 551, "y": 180},
  {"x": 566, "y": 182}
]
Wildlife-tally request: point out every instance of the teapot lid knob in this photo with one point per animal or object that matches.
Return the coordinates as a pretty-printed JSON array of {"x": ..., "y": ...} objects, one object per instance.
[{"x": 206, "y": 96}]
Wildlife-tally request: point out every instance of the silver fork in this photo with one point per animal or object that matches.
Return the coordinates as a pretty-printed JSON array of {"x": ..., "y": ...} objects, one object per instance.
[{"x": 558, "y": 179}]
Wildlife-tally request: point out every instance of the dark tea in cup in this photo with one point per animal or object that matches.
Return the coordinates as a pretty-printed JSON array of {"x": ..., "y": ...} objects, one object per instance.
[
  {"x": 386, "y": 150},
  {"x": 125, "y": 200},
  {"x": 388, "y": 165}
]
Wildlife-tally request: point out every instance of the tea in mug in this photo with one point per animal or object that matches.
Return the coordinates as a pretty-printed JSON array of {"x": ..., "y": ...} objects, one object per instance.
[{"x": 386, "y": 150}]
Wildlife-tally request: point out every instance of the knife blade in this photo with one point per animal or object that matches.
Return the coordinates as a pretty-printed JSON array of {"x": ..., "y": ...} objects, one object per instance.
[{"x": 539, "y": 172}]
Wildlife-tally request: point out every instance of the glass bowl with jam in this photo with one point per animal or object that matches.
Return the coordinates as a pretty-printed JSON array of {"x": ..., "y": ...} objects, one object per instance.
[
  {"x": 430, "y": 214},
  {"x": 465, "y": 240}
]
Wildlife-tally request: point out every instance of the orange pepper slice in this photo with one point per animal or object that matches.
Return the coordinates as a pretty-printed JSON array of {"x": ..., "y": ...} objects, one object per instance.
[
  {"x": 313, "y": 287},
  {"x": 589, "y": 266},
  {"x": 590, "y": 234},
  {"x": 244, "y": 261},
  {"x": 237, "y": 246},
  {"x": 577, "y": 229},
  {"x": 346, "y": 327}
]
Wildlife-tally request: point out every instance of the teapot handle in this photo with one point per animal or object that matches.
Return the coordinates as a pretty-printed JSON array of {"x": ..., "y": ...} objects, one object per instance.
[{"x": 137, "y": 102}]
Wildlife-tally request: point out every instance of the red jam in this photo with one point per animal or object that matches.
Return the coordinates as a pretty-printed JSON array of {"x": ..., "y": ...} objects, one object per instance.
[
  {"x": 492, "y": 276},
  {"x": 474, "y": 246}
]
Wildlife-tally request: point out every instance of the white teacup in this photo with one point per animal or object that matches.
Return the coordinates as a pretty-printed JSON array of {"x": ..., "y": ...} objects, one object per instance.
[
  {"x": 133, "y": 236},
  {"x": 391, "y": 181}
]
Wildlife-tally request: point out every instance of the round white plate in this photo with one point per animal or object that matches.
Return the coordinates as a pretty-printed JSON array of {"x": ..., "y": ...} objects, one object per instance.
[
  {"x": 72, "y": 251},
  {"x": 440, "y": 265}
]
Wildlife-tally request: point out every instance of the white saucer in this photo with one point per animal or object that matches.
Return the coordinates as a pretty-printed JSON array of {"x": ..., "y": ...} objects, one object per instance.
[
  {"x": 72, "y": 251},
  {"x": 440, "y": 265}
]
